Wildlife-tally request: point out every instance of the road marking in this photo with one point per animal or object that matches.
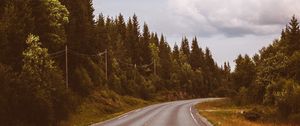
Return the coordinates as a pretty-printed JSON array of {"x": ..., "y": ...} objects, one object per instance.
[
  {"x": 193, "y": 116},
  {"x": 123, "y": 116},
  {"x": 137, "y": 110}
]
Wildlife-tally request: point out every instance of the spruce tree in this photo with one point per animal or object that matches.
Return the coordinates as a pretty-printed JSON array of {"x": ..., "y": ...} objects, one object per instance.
[
  {"x": 145, "y": 50},
  {"x": 16, "y": 23},
  {"x": 185, "y": 48},
  {"x": 196, "y": 58},
  {"x": 175, "y": 53},
  {"x": 293, "y": 36},
  {"x": 165, "y": 59}
]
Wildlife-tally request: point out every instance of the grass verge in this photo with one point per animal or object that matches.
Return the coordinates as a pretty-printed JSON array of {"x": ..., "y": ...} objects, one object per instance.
[
  {"x": 103, "y": 105},
  {"x": 225, "y": 113}
]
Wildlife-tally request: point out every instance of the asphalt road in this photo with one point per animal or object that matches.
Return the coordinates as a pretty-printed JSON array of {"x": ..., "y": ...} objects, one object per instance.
[{"x": 177, "y": 113}]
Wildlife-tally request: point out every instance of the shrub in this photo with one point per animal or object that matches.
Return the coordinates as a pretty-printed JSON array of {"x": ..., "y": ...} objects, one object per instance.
[{"x": 287, "y": 99}]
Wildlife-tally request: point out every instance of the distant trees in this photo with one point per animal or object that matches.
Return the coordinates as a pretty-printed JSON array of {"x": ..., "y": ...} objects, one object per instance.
[
  {"x": 197, "y": 55},
  {"x": 271, "y": 77},
  {"x": 244, "y": 73}
]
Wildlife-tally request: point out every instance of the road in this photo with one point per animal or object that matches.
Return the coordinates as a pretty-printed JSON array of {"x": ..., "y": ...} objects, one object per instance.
[{"x": 177, "y": 113}]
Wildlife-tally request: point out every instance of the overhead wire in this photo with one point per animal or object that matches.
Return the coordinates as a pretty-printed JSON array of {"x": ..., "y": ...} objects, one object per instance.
[
  {"x": 85, "y": 55},
  {"x": 57, "y": 53},
  {"x": 70, "y": 51}
]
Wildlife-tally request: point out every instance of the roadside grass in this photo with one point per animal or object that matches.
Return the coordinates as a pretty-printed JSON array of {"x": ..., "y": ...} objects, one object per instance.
[
  {"x": 225, "y": 113},
  {"x": 101, "y": 106}
]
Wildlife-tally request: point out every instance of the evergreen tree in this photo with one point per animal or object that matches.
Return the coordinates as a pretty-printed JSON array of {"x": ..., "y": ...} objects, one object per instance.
[
  {"x": 175, "y": 53},
  {"x": 185, "y": 48},
  {"x": 244, "y": 74},
  {"x": 292, "y": 36},
  {"x": 16, "y": 24},
  {"x": 165, "y": 59},
  {"x": 145, "y": 50},
  {"x": 102, "y": 39},
  {"x": 197, "y": 56}
]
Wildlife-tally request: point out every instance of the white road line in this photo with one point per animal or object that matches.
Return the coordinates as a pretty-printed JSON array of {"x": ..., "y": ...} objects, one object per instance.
[
  {"x": 193, "y": 116},
  {"x": 137, "y": 110},
  {"x": 123, "y": 116}
]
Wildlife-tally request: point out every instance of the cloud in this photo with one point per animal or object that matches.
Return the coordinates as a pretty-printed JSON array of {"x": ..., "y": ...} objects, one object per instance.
[{"x": 233, "y": 18}]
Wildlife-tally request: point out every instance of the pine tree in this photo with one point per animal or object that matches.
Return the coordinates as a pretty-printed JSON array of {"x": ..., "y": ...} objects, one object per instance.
[
  {"x": 16, "y": 23},
  {"x": 197, "y": 56},
  {"x": 293, "y": 36},
  {"x": 175, "y": 53},
  {"x": 185, "y": 48},
  {"x": 244, "y": 73},
  {"x": 145, "y": 50},
  {"x": 80, "y": 26},
  {"x": 102, "y": 40},
  {"x": 136, "y": 41},
  {"x": 165, "y": 59},
  {"x": 80, "y": 38}
]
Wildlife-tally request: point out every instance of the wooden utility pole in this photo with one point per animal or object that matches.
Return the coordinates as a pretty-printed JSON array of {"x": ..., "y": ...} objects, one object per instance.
[
  {"x": 106, "y": 65},
  {"x": 67, "y": 77},
  {"x": 154, "y": 65}
]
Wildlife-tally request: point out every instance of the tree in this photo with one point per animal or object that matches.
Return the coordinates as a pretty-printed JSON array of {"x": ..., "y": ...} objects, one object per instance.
[
  {"x": 50, "y": 18},
  {"x": 287, "y": 97},
  {"x": 16, "y": 24},
  {"x": 102, "y": 39},
  {"x": 43, "y": 87},
  {"x": 165, "y": 59},
  {"x": 175, "y": 53},
  {"x": 155, "y": 55},
  {"x": 197, "y": 56},
  {"x": 244, "y": 73},
  {"x": 292, "y": 36},
  {"x": 80, "y": 38},
  {"x": 293, "y": 66},
  {"x": 185, "y": 48},
  {"x": 145, "y": 50}
]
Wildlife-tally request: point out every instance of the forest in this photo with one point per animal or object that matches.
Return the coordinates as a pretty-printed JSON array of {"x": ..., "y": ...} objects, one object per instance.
[
  {"x": 272, "y": 76},
  {"x": 54, "y": 54},
  {"x": 103, "y": 53}
]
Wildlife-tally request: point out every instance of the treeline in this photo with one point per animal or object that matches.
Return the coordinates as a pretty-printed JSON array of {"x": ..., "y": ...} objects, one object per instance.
[
  {"x": 272, "y": 77},
  {"x": 33, "y": 36}
]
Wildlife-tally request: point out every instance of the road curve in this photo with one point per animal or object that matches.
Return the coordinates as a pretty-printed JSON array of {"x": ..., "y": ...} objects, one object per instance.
[{"x": 177, "y": 113}]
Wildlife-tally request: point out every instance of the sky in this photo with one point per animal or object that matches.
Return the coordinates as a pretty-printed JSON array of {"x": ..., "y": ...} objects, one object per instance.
[{"x": 227, "y": 27}]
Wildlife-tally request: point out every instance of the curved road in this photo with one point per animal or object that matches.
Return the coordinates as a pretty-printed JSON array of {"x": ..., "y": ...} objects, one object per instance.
[{"x": 177, "y": 113}]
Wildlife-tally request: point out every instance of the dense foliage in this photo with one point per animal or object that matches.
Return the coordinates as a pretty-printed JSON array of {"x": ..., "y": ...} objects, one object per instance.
[
  {"x": 272, "y": 76},
  {"x": 33, "y": 35}
]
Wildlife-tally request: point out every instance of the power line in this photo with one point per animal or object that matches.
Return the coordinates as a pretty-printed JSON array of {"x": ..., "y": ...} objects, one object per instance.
[
  {"x": 69, "y": 51},
  {"x": 56, "y": 53},
  {"x": 135, "y": 65},
  {"x": 59, "y": 55},
  {"x": 86, "y": 55}
]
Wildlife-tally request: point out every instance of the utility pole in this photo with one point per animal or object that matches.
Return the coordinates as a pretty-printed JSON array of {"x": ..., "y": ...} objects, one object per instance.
[
  {"x": 154, "y": 64},
  {"x": 106, "y": 72},
  {"x": 67, "y": 77},
  {"x": 135, "y": 71}
]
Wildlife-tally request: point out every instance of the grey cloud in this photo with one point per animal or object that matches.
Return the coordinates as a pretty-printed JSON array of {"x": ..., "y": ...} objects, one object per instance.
[{"x": 234, "y": 18}]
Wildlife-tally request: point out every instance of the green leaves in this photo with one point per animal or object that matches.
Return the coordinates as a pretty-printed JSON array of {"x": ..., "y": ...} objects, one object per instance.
[
  {"x": 36, "y": 59},
  {"x": 58, "y": 15}
]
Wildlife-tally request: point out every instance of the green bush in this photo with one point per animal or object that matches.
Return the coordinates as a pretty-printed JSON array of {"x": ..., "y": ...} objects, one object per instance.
[{"x": 287, "y": 99}]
